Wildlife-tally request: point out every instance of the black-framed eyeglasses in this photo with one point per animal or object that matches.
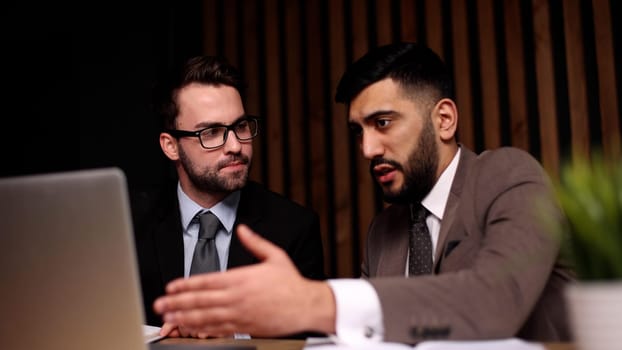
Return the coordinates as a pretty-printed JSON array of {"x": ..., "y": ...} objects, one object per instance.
[{"x": 244, "y": 129}]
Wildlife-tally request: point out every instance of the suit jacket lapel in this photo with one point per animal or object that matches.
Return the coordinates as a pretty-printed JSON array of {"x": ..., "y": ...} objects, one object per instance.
[
  {"x": 394, "y": 243},
  {"x": 448, "y": 219},
  {"x": 467, "y": 157},
  {"x": 249, "y": 213}
]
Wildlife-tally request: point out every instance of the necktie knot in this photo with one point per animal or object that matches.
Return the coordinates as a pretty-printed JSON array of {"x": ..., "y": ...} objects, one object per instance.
[
  {"x": 208, "y": 225},
  {"x": 419, "y": 213}
]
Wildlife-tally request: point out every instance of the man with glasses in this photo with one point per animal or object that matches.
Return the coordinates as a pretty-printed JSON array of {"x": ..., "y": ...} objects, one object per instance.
[{"x": 208, "y": 137}]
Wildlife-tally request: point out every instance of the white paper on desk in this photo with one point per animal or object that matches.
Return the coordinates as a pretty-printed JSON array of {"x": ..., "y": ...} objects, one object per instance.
[
  {"x": 333, "y": 344},
  {"x": 498, "y": 344},
  {"x": 151, "y": 333}
]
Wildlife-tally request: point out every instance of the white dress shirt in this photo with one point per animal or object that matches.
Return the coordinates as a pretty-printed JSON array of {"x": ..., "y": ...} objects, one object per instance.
[{"x": 359, "y": 315}]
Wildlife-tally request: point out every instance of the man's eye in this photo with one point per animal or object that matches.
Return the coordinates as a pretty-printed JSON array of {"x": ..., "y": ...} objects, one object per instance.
[
  {"x": 382, "y": 123},
  {"x": 242, "y": 125},
  {"x": 211, "y": 132}
]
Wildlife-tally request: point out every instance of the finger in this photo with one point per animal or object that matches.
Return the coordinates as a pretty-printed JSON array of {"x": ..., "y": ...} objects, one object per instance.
[
  {"x": 257, "y": 245},
  {"x": 167, "y": 329},
  {"x": 194, "y": 300},
  {"x": 218, "y": 331},
  {"x": 200, "y": 281},
  {"x": 202, "y": 335},
  {"x": 212, "y": 280},
  {"x": 200, "y": 319},
  {"x": 184, "y": 332}
]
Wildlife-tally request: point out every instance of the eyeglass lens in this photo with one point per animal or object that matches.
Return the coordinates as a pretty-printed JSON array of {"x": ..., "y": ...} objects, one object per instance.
[{"x": 244, "y": 130}]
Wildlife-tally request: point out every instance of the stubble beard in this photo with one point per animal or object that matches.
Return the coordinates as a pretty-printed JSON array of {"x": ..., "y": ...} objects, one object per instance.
[{"x": 209, "y": 180}]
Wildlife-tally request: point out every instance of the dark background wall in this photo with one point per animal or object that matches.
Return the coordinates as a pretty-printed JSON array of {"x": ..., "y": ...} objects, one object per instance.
[
  {"x": 541, "y": 75},
  {"x": 77, "y": 83}
]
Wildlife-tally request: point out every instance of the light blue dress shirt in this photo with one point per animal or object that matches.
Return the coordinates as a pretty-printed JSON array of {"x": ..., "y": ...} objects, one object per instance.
[{"x": 225, "y": 210}]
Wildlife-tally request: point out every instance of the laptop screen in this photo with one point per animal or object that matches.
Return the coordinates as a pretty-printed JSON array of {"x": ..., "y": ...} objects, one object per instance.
[{"x": 68, "y": 267}]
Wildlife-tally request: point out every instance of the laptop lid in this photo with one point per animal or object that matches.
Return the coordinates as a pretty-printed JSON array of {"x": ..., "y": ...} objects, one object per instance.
[{"x": 68, "y": 268}]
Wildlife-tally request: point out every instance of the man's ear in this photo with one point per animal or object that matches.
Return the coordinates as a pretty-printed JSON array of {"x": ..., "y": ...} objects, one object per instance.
[
  {"x": 169, "y": 146},
  {"x": 446, "y": 114}
]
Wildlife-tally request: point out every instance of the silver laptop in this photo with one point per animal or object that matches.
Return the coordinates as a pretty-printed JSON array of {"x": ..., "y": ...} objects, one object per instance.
[{"x": 69, "y": 277}]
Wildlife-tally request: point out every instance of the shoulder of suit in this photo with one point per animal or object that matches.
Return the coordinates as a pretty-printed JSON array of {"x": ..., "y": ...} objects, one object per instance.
[
  {"x": 505, "y": 150},
  {"x": 507, "y": 164},
  {"x": 512, "y": 156}
]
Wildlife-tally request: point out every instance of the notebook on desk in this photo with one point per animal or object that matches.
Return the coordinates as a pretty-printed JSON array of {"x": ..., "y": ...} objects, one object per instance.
[{"x": 69, "y": 275}]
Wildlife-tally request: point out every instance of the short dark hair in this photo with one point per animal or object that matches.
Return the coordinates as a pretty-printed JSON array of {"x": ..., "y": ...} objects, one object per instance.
[
  {"x": 208, "y": 70},
  {"x": 413, "y": 65}
]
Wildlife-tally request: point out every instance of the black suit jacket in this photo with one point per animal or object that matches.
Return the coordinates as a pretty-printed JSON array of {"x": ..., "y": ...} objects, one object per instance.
[{"x": 159, "y": 236}]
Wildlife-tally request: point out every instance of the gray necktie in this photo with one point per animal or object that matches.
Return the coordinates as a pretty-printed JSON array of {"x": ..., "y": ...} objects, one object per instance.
[
  {"x": 420, "y": 243},
  {"x": 205, "y": 258}
]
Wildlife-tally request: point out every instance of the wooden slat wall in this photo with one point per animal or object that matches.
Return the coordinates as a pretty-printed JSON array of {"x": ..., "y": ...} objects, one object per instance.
[{"x": 536, "y": 74}]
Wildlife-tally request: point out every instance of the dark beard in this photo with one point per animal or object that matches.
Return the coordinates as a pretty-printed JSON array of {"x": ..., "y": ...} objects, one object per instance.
[
  {"x": 419, "y": 170},
  {"x": 210, "y": 181}
]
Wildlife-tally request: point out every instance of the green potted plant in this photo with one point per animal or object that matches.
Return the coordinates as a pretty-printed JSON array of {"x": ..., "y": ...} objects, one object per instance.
[{"x": 590, "y": 193}]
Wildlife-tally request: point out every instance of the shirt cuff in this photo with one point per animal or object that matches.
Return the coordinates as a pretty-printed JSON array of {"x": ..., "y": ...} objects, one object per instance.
[{"x": 359, "y": 315}]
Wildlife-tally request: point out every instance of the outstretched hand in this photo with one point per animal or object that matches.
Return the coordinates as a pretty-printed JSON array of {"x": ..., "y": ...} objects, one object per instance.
[{"x": 269, "y": 298}]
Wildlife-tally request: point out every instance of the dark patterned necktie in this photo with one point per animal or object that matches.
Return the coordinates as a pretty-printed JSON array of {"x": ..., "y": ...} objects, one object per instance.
[
  {"x": 205, "y": 258},
  {"x": 420, "y": 243}
]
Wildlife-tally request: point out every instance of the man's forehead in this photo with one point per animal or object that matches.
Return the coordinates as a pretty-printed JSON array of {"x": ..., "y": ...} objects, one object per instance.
[{"x": 382, "y": 97}]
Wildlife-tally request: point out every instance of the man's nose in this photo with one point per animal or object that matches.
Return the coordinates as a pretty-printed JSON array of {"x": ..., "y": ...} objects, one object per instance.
[
  {"x": 232, "y": 144},
  {"x": 371, "y": 146}
]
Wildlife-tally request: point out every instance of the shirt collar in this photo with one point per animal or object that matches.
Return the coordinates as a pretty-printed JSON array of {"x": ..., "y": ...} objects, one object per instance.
[
  {"x": 436, "y": 200},
  {"x": 224, "y": 210}
]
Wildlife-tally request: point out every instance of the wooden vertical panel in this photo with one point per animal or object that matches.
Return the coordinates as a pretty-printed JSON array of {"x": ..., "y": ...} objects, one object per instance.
[
  {"x": 360, "y": 38},
  {"x": 342, "y": 168},
  {"x": 336, "y": 209},
  {"x": 250, "y": 66},
  {"x": 434, "y": 26},
  {"x": 609, "y": 109},
  {"x": 489, "y": 74},
  {"x": 230, "y": 49},
  {"x": 294, "y": 114},
  {"x": 274, "y": 131},
  {"x": 366, "y": 204},
  {"x": 462, "y": 73},
  {"x": 383, "y": 22},
  {"x": 367, "y": 200},
  {"x": 408, "y": 11},
  {"x": 320, "y": 200},
  {"x": 210, "y": 39},
  {"x": 545, "y": 79},
  {"x": 516, "y": 74},
  {"x": 577, "y": 91}
]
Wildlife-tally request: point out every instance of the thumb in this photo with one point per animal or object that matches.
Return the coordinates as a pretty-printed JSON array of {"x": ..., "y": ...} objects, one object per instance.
[{"x": 257, "y": 245}]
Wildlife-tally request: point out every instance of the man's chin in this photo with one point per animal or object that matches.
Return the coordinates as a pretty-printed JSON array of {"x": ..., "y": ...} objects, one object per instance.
[
  {"x": 236, "y": 181},
  {"x": 395, "y": 197}
]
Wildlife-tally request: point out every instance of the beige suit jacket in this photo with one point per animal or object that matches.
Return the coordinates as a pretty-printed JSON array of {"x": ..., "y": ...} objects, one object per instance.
[{"x": 497, "y": 272}]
